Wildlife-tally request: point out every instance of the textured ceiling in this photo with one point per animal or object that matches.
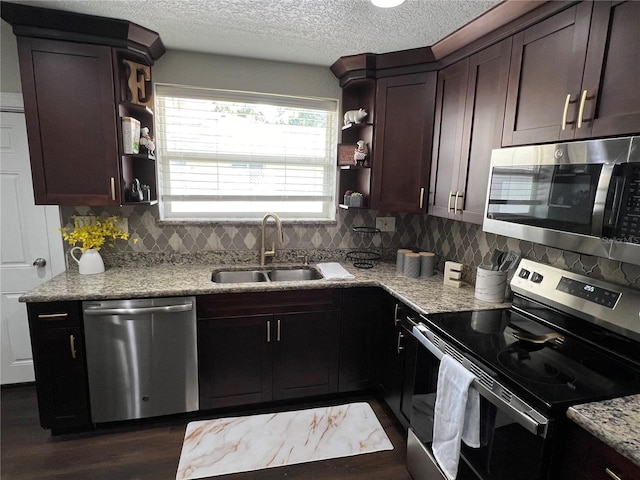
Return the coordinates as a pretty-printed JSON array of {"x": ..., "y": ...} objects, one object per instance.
[{"x": 301, "y": 31}]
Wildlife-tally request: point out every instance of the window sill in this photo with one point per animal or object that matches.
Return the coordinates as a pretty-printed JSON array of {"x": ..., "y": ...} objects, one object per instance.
[{"x": 173, "y": 222}]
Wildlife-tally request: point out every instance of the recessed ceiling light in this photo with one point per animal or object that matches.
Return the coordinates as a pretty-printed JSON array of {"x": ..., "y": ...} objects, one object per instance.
[{"x": 387, "y": 3}]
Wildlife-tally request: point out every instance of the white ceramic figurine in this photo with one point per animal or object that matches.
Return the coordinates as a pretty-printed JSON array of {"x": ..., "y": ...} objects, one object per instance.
[{"x": 354, "y": 116}]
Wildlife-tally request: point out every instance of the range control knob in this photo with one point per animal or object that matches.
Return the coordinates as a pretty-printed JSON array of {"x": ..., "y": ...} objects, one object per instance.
[
  {"x": 536, "y": 277},
  {"x": 524, "y": 273}
]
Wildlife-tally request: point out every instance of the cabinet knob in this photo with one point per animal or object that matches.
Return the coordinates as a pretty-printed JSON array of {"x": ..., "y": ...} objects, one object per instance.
[{"x": 39, "y": 262}]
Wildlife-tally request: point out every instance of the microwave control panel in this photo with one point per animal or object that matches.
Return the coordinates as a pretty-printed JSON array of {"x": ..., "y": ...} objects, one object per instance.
[{"x": 628, "y": 225}]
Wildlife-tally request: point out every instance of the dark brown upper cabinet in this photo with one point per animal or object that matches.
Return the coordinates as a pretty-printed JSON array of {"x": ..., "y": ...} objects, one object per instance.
[
  {"x": 612, "y": 71},
  {"x": 403, "y": 136},
  {"x": 470, "y": 102},
  {"x": 76, "y": 89},
  {"x": 574, "y": 75}
]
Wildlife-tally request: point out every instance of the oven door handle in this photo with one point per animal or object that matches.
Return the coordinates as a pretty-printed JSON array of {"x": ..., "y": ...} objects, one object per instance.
[{"x": 532, "y": 425}]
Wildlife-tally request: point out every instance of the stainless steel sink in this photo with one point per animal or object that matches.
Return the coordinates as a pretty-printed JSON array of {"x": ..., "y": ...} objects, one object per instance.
[
  {"x": 294, "y": 274},
  {"x": 282, "y": 274},
  {"x": 240, "y": 276}
]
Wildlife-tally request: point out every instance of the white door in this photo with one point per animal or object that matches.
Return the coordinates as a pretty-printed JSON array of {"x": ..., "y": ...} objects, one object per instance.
[{"x": 28, "y": 234}]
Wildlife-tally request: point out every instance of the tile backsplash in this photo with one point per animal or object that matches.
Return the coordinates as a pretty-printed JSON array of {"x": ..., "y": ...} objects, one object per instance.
[{"x": 232, "y": 243}]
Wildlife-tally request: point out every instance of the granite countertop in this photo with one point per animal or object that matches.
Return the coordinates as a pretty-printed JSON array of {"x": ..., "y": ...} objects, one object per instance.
[
  {"x": 615, "y": 422},
  {"x": 425, "y": 295}
]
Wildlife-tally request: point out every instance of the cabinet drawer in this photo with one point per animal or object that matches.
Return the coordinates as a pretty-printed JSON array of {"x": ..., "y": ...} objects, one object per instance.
[{"x": 247, "y": 303}]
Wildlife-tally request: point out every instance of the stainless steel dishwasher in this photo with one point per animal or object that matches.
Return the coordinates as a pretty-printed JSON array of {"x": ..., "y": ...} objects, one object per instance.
[{"x": 141, "y": 357}]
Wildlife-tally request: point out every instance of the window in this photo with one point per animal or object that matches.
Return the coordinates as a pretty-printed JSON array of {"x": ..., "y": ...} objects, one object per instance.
[{"x": 237, "y": 155}]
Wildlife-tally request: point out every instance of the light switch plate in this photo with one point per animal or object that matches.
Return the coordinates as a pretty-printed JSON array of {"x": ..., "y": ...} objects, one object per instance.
[{"x": 386, "y": 224}]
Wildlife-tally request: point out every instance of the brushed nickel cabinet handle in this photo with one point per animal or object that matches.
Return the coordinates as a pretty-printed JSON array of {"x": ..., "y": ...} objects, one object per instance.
[
  {"x": 396, "y": 320},
  {"x": 455, "y": 205},
  {"x": 566, "y": 111},
  {"x": 609, "y": 472},
  {"x": 583, "y": 99},
  {"x": 72, "y": 344},
  {"x": 113, "y": 188},
  {"x": 449, "y": 203},
  {"x": 278, "y": 332},
  {"x": 421, "y": 197},
  {"x": 53, "y": 315},
  {"x": 400, "y": 337},
  {"x": 268, "y": 331}
]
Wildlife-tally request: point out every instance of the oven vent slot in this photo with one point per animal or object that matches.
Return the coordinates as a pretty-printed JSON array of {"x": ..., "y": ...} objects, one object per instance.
[
  {"x": 506, "y": 395},
  {"x": 453, "y": 353},
  {"x": 482, "y": 377}
]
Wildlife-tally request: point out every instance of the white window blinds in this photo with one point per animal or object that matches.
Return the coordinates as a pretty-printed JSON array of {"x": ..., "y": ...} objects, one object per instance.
[{"x": 236, "y": 155}]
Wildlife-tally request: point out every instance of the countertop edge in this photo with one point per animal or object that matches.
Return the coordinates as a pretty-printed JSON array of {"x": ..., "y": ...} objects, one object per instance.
[{"x": 615, "y": 422}]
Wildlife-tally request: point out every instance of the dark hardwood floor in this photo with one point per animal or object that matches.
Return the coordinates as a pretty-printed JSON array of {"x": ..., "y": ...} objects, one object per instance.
[{"x": 152, "y": 450}]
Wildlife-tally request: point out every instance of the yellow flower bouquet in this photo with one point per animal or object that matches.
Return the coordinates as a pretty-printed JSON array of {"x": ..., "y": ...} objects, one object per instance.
[{"x": 95, "y": 233}]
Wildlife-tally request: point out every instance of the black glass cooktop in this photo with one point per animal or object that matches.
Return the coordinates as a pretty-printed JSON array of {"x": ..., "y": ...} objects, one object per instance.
[{"x": 558, "y": 373}]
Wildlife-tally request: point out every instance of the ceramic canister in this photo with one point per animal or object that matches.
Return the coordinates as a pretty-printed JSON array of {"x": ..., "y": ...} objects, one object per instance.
[
  {"x": 412, "y": 265},
  {"x": 490, "y": 284},
  {"x": 400, "y": 259},
  {"x": 427, "y": 261}
]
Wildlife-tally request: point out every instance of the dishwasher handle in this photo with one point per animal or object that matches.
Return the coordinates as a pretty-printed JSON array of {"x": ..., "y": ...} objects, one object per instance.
[{"x": 186, "y": 307}]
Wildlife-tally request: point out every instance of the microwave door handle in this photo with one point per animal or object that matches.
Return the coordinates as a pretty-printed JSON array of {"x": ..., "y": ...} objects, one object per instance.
[
  {"x": 600, "y": 200},
  {"x": 615, "y": 205}
]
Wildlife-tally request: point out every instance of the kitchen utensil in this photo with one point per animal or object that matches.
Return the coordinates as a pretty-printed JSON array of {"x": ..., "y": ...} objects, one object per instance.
[
  {"x": 530, "y": 337},
  {"x": 508, "y": 261},
  {"x": 495, "y": 259}
]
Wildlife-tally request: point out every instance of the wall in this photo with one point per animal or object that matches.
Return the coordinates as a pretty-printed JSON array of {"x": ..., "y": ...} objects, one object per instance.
[{"x": 9, "y": 69}]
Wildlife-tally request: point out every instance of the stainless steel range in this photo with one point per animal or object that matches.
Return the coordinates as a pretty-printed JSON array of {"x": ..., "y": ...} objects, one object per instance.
[{"x": 566, "y": 340}]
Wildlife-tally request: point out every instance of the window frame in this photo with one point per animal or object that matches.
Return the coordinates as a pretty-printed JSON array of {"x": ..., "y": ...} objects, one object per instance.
[{"x": 326, "y": 163}]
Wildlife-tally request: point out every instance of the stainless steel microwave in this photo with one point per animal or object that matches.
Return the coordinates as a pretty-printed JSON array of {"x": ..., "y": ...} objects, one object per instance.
[{"x": 578, "y": 196}]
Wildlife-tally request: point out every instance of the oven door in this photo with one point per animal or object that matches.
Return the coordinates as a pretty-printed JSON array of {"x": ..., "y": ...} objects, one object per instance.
[{"x": 516, "y": 440}]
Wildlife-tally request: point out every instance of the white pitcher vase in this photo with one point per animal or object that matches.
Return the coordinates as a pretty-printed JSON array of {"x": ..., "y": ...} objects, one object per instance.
[{"x": 90, "y": 260}]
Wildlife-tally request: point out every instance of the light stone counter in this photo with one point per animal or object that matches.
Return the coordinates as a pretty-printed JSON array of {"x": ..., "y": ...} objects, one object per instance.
[
  {"x": 424, "y": 295},
  {"x": 615, "y": 422}
]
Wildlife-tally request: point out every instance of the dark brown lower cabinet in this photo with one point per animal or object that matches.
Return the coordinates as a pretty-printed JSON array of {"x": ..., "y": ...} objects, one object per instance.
[
  {"x": 57, "y": 341},
  {"x": 588, "y": 458},
  {"x": 397, "y": 357},
  {"x": 267, "y": 346},
  {"x": 359, "y": 333}
]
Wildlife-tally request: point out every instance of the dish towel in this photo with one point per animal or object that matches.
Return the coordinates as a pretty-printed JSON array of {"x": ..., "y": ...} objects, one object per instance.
[
  {"x": 334, "y": 271},
  {"x": 457, "y": 415}
]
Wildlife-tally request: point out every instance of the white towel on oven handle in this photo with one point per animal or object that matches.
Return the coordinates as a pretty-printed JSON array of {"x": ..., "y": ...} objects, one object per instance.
[{"x": 457, "y": 415}]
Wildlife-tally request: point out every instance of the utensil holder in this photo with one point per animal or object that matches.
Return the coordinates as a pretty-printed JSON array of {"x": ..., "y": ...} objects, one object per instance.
[{"x": 490, "y": 284}]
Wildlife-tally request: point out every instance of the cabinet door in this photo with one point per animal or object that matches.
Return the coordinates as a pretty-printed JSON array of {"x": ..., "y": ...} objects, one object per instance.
[
  {"x": 484, "y": 114},
  {"x": 71, "y": 121},
  {"x": 306, "y": 354},
  {"x": 59, "y": 362},
  {"x": 448, "y": 132},
  {"x": 547, "y": 63},
  {"x": 234, "y": 360},
  {"x": 396, "y": 360},
  {"x": 612, "y": 71},
  {"x": 403, "y": 136},
  {"x": 588, "y": 458},
  {"x": 359, "y": 331}
]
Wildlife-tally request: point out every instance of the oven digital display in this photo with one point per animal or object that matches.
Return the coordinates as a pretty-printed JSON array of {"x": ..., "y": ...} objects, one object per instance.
[{"x": 601, "y": 296}]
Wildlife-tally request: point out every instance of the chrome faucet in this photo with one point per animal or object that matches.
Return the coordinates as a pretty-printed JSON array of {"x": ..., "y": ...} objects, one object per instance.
[{"x": 270, "y": 253}]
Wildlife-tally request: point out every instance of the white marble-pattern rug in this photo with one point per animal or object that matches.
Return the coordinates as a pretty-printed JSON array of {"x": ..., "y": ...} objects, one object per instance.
[{"x": 244, "y": 444}]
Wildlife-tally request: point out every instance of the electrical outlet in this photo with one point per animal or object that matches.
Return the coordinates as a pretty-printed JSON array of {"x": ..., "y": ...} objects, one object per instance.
[{"x": 386, "y": 224}]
